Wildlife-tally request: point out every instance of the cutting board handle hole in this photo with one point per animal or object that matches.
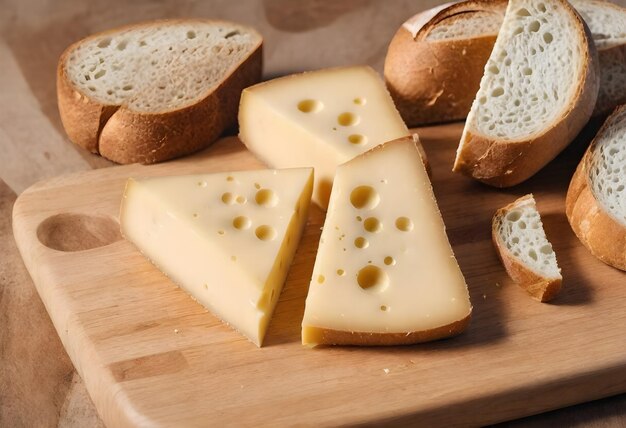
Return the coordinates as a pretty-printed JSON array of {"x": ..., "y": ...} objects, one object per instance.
[{"x": 78, "y": 232}]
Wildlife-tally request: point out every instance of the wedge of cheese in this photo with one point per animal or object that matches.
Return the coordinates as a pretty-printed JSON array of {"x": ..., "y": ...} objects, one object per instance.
[
  {"x": 385, "y": 273},
  {"x": 227, "y": 239},
  {"x": 320, "y": 119}
]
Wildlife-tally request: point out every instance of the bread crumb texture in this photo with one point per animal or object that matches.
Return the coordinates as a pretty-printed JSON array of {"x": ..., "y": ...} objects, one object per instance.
[
  {"x": 466, "y": 25},
  {"x": 607, "y": 168},
  {"x": 154, "y": 68},
  {"x": 528, "y": 79}
]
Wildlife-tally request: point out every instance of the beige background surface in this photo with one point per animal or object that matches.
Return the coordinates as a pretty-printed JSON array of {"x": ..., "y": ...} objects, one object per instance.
[{"x": 38, "y": 386}]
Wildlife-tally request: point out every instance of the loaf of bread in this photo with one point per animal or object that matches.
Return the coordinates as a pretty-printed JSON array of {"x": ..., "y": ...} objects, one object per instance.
[
  {"x": 538, "y": 90},
  {"x": 596, "y": 198},
  {"x": 154, "y": 91},
  {"x": 526, "y": 253},
  {"x": 436, "y": 59}
]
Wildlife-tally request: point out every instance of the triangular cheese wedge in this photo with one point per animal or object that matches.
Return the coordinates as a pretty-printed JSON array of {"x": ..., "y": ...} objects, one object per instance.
[
  {"x": 320, "y": 118},
  {"x": 227, "y": 239},
  {"x": 385, "y": 273}
]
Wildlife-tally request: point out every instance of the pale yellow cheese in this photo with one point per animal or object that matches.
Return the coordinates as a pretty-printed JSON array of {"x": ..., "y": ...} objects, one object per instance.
[
  {"x": 227, "y": 239},
  {"x": 320, "y": 119},
  {"x": 385, "y": 272}
]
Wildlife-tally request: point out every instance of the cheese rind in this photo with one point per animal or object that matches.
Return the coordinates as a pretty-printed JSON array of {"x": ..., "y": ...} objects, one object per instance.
[
  {"x": 321, "y": 119},
  {"x": 227, "y": 239},
  {"x": 385, "y": 272}
]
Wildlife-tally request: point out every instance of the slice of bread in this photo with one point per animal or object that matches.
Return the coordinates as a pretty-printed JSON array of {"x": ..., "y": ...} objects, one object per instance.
[
  {"x": 596, "y": 198},
  {"x": 526, "y": 254},
  {"x": 153, "y": 91},
  {"x": 607, "y": 22},
  {"x": 436, "y": 59},
  {"x": 537, "y": 92}
]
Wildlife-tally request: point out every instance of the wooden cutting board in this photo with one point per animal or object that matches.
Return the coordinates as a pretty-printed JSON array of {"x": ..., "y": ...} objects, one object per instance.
[{"x": 150, "y": 355}]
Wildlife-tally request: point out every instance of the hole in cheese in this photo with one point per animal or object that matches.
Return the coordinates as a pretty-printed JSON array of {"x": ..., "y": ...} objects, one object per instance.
[
  {"x": 348, "y": 119},
  {"x": 266, "y": 198},
  {"x": 404, "y": 224},
  {"x": 372, "y": 278},
  {"x": 265, "y": 233},
  {"x": 241, "y": 222},
  {"x": 361, "y": 242},
  {"x": 310, "y": 106},
  {"x": 357, "y": 139},
  {"x": 228, "y": 198},
  {"x": 372, "y": 224},
  {"x": 364, "y": 197}
]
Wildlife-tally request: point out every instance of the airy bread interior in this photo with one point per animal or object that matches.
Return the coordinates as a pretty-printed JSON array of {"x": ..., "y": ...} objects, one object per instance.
[
  {"x": 529, "y": 79},
  {"x": 521, "y": 231},
  {"x": 607, "y": 25},
  {"x": 465, "y": 26},
  {"x": 157, "y": 67},
  {"x": 607, "y": 167}
]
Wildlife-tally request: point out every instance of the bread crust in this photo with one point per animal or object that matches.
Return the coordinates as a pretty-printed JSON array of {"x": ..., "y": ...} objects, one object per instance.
[
  {"x": 326, "y": 336},
  {"x": 603, "y": 236},
  {"x": 505, "y": 163},
  {"x": 538, "y": 286},
  {"x": 436, "y": 80},
  {"x": 127, "y": 136}
]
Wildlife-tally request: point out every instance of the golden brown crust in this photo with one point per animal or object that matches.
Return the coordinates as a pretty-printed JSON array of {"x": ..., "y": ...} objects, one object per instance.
[
  {"x": 325, "y": 336},
  {"x": 603, "y": 236},
  {"x": 504, "y": 163},
  {"x": 436, "y": 80},
  {"x": 126, "y": 136},
  {"x": 82, "y": 117},
  {"x": 539, "y": 287}
]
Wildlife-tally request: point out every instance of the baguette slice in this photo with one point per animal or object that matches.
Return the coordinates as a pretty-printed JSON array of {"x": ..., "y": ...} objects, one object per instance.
[
  {"x": 154, "y": 91},
  {"x": 596, "y": 198},
  {"x": 539, "y": 89},
  {"x": 607, "y": 22},
  {"x": 436, "y": 59},
  {"x": 526, "y": 254}
]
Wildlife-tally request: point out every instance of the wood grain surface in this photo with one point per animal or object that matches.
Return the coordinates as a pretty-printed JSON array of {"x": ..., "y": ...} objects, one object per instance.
[
  {"x": 150, "y": 355},
  {"x": 33, "y": 146}
]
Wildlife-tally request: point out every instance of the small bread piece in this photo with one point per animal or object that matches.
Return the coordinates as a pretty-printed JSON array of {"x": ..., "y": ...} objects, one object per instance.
[
  {"x": 596, "y": 198},
  {"x": 607, "y": 22},
  {"x": 526, "y": 254},
  {"x": 538, "y": 91},
  {"x": 436, "y": 59},
  {"x": 154, "y": 91}
]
